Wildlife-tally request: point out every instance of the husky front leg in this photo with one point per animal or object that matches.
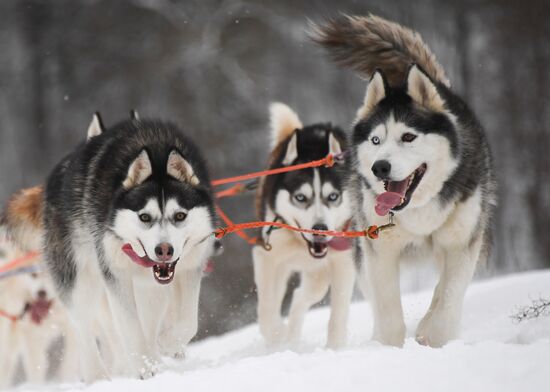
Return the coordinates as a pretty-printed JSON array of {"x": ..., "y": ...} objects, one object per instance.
[
  {"x": 128, "y": 326},
  {"x": 442, "y": 321},
  {"x": 68, "y": 367},
  {"x": 9, "y": 352},
  {"x": 181, "y": 323},
  {"x": 382, "y": 267},
  {"x": 342, "y": 277},
  {"x": 313, "y": 287},
  {"x": 82, "y": 310},
  {"x": 151, "y": 306},
  {"x": 271, "y": 280},
  {"x": 34, "y": 355}
]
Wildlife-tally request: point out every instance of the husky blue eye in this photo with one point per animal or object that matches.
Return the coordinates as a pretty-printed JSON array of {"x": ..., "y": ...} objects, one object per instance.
[
  {"x": 375, "y": 140},
  {"x": 300, "y": 197},
  {"x": 333, "y": 196},
  {"x": 408, "y": 137},
  {"x": 145, "y": 218},
  {"x": 180, "y": 216}
]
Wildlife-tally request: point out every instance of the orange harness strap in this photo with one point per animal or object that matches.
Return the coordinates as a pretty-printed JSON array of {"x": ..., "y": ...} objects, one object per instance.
[
  {"x": 10, "y": 317},
  {"x": 18, "y": 261},
  {"x": 372, "y": 232},
  {"x": 230, "y": 223},
  {"x": 327, "y": 161}
]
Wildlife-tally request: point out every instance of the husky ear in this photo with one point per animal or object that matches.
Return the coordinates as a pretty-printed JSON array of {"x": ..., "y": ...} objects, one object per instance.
[
  {"x": 96, "y": 126},
  {"x": 134, "y": 115},
  {"x": 422, "y": 90},
  {"x": 283, "y": 121},
  {"x": 376, "y": 91},
  {"x": 334, "y": 146},
  {"x": 180, "y": 169},
  {"x": 291, "y": 150},
  {"x": 139, "y": 171}
]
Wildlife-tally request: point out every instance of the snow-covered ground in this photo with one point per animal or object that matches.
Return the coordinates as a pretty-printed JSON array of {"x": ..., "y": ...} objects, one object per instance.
[{"x": 494, "y": 353}]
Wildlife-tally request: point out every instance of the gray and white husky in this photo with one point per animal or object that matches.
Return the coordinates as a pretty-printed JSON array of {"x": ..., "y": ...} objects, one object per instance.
[
  {"x": 127, "y": 222},
  {"x": 419, "y": 153},
  {"x": 312, "y": 199}
]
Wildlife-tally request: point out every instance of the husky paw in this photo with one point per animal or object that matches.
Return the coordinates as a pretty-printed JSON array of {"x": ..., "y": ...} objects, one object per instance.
[
  {"x": 436, "y": 329},
  {"x": 149, "y": 369},
  {"x": 391, "y": 335},
  {"x": 180, "y": 355},
  {"x": 276, "y": 336}
]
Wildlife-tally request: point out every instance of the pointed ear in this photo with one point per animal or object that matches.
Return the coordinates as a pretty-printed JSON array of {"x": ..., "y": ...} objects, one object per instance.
[
  {"x": 134, "y": 115},
  {"x": 96, "y": 126},
  {"x": 291, "y": 150},
  {"x": 180, "y": 169},
  {"x": 139, "y": 171},
  {"x": 376, "y": 91},
  {"x": 422, "y": 90},
  {"x": 334, "y": 146},
  {"x": 283, "y": 121}
]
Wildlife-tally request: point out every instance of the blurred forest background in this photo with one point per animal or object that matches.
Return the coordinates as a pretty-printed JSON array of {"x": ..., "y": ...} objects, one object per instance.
[{"x": 214, "y": 66}]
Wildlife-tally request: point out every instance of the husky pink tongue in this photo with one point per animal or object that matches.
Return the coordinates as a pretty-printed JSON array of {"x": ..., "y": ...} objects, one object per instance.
[
  {"x": 392, "y": 198},
  {"x": 143, "y": 261},
  {"x": 340, "y": 243}
]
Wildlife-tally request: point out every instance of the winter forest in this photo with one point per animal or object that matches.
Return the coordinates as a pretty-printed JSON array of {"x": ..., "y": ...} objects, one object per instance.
[{"x": 213, "y": 67}]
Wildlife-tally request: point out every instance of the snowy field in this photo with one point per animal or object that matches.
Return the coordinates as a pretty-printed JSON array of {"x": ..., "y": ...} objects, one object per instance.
[{"x": 494, "y": 353}]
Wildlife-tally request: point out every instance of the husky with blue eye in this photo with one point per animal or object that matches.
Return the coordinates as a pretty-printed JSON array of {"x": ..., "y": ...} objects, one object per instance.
[
  {"x": 419, "y": 153},
  {"x": 312, "y": 199},
  {"x": 127, "y": 217}
]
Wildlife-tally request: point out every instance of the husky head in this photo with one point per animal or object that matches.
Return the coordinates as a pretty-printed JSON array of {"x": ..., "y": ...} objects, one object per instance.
[
  {"x": 405, "y": 141},
  {"x": 27, "y": 295},
  {"x": 164, "y": 210},
  {"x": 310, "y": 198}
]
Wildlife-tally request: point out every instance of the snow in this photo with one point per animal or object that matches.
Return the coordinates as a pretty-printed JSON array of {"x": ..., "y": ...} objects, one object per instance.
[{"x": 494, "y": 353}]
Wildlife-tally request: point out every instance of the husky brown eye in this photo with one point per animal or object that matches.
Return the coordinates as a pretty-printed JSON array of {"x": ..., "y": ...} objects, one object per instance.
[
  {"x": 180, "y": 216},
  {"x": 145, "y": 218},
  {"x": 408, "y": 137}
]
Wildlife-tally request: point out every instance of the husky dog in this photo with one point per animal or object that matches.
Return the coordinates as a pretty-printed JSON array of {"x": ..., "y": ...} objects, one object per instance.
[
  {"x": 41, "y": 319},
  {"x": 419, "y": 153},
  {"x": 120, "y": 213},
  {"x": 312, "y": 199}
]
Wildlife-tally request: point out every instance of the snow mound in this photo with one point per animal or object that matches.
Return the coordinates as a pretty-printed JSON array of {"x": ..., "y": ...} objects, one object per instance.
[{"x": 494, "y": 352}]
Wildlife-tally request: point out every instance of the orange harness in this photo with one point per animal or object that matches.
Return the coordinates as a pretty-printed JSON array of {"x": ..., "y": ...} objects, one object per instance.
[{"x": 371, "y": 232}]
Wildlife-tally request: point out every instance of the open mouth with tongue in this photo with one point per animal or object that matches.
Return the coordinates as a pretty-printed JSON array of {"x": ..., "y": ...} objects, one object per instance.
[
  {"x": 38, "y": 309},
  {"x": 398, "y": 193},
  {"x": 318, "y": 248},
  {"x": 163, "y": 272}
]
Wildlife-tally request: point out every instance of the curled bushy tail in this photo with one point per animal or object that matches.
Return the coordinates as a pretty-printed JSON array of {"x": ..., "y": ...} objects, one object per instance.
[
  {"x": 367, "y": 43},
  {"x": 22, "y": 218}
]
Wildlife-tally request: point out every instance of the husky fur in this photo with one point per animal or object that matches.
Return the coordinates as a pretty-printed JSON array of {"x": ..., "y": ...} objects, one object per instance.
[
  {"x": 42, "y": 320},
  {"x": 318, "y": 264},
  {"x": 126, "y": 227},
  {"x": 413, "y": 137}
]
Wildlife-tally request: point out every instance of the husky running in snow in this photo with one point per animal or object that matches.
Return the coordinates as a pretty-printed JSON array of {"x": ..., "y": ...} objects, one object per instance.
[
  {"x": 128, "y": 216},
  {"x": 313, "y": 199},
  {"x": 418, "y": 152}
]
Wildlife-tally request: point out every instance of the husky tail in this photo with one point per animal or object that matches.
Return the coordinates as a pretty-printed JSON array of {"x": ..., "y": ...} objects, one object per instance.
[
  {"x": 22, "y": 218},
  {"x": 367, "y": 43}
]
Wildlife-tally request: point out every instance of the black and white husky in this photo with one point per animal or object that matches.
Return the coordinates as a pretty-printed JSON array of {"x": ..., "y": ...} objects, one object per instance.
[
  {"x": 418, "y": 153},
  {"x": 127, "y": 223},
  {"x": 312, "y": 199}
]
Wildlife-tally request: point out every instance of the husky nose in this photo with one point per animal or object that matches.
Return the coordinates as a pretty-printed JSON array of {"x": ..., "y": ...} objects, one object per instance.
[
  {"x": 381, "y": 169},
  {"x": 164, "y": 251},
  {"x": 42, "y": 294},
  {"x": 319, "y": 226}
]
